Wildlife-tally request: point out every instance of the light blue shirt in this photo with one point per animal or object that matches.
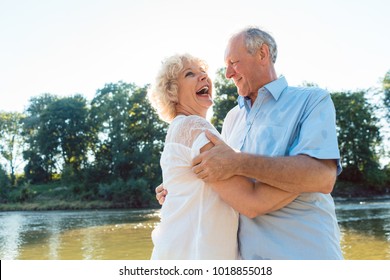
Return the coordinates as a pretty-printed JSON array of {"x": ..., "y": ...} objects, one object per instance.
[{"x": 288, "y": 121}]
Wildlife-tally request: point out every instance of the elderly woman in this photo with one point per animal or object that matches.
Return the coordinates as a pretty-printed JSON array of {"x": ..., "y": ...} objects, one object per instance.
[{"x": 195, "y": 222}]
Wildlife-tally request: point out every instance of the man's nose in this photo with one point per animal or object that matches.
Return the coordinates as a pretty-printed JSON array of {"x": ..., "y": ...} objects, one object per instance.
[{"x": 229, "y": 72}]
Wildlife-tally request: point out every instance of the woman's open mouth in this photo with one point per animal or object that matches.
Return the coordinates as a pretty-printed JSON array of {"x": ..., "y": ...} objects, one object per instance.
[{"x": 203, "y": 91}]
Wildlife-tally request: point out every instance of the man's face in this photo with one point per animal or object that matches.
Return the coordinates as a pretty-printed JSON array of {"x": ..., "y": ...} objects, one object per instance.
[{"x": 243, "y": 68}]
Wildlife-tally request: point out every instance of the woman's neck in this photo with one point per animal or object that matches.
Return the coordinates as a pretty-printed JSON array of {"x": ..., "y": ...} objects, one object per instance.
[{"x": 181, "y": 110}]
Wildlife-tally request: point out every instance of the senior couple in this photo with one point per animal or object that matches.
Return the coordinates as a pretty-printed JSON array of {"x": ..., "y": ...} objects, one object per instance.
[{"x": 261, "y": 189}]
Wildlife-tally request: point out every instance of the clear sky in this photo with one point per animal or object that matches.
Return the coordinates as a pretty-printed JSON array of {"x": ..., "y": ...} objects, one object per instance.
[{"x": 65, "y": 47}]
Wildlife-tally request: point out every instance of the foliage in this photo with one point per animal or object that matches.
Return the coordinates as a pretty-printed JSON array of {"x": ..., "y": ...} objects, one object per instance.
[
  {"x": 358, "y": 135},
  {"x": 132, "y": 193},
  {"x": 4, "y": 184},
  {"x": 128, "y": 133},
  {"x": 20, "y": 194},
  {"x": 225, "y": 98},
  {"x": 40, "y": 162},
  {"x": 386, "y": 89},
  {"x": 58, "y": 134},
  {"x": 118, "y": 136},
  {"x": 106, "y": 152},
  {"x": 67, "y": 131},
  {"x": 11, "y": 141}
]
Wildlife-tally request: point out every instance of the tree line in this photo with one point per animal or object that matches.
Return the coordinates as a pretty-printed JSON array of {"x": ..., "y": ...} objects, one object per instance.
[
  {"x": 106, "y": 149},
  {"x": 109, "y": 148}
]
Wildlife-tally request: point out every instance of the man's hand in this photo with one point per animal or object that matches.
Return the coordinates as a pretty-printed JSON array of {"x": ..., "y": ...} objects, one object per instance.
[
  {"x": 216, "y": 164},
  {"x": 161, "y": 193}
]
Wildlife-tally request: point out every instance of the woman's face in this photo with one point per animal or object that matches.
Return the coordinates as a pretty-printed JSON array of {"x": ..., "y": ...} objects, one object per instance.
[{"x": 195, "y": 90}]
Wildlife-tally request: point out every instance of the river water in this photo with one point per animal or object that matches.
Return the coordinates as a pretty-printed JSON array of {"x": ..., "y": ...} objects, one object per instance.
[{"x": 125, "y": 234}]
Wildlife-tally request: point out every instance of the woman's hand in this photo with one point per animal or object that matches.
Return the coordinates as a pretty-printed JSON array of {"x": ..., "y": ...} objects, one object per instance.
[{"x": 161, "y": 193}]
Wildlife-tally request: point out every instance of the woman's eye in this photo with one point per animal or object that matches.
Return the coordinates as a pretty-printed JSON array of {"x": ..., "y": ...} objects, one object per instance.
[{"x": 189, "y": 74}]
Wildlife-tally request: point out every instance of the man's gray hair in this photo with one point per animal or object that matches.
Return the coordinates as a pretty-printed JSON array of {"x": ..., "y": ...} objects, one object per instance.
[{"x": 254, "y": 38}]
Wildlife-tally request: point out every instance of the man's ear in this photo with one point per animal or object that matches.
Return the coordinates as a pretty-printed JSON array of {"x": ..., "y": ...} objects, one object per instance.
[{"x": 263, "y": 52}]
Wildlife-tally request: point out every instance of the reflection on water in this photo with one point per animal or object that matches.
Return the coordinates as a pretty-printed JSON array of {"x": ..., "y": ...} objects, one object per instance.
[
  {"x": 365, "y": 228},
  {"x": 125, "y": 234},
  {"x": 77, "y": 235},
  {"x": 10, "y": 236}
]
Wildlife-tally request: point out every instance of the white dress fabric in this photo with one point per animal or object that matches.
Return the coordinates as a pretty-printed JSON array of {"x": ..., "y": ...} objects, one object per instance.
[{"x": 195, "y": 222}]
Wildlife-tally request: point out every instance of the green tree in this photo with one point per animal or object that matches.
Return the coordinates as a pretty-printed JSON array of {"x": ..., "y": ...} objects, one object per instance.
[
  {"x": 129, "y": 135},
  {"x": 386, "y": 101},
  {"x": 39, "y": 165},
  {"x": 11, "y": 141},
  {"x": 359, "y": 137},
  {"x": 64, "y": 124},
  {"x": 386, "y": 89},
  {"x": 4, "y": 184},
  {"x": 225, "y": 98},
  {"x": 57, "y": 134}
]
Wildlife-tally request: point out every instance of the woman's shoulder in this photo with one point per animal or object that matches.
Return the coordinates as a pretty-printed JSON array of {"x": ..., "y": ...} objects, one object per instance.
[
  {"x": 191, "y": 122},
  {"x": 184, "y": 129}
]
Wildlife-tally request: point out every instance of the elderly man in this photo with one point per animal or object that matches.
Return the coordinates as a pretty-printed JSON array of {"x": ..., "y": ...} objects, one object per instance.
[{"x": 282, "y": 136}]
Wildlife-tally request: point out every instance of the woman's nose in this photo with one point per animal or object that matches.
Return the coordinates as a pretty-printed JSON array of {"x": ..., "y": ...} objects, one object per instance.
[{"x": 203, "y": 76}]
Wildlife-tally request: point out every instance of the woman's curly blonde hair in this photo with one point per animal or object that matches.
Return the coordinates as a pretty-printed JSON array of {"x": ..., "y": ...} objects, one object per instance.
[{"x": 163, "y": 94}]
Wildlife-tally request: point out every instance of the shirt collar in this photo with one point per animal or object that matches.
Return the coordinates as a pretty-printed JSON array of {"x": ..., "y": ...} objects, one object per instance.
[
  {"x": 242, "y": 100},
  {"x": 275, "y": 88}
]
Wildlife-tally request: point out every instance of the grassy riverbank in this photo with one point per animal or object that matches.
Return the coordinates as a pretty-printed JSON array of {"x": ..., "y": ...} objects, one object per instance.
[
  {"x": 56, "y": 196},
  {"x": 345, "y": 190},
  {"x": 57, "y": 205}
]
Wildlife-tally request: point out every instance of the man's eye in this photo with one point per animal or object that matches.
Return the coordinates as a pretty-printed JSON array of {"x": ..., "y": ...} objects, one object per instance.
[
  {"x": 234, "y": 62},
  {"x": 189, "y": 74}
]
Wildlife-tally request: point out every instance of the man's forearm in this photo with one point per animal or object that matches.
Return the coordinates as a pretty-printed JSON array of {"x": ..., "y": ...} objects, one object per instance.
[
  {"x": 296, "y": 174},
  {"x": 251, "y": 199}
]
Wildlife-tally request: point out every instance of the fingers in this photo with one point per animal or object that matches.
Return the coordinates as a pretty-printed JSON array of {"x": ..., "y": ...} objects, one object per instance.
[
  {"x": 212, "y": 137},
  {"x": 197, "y": 160},
  {"x": 159, "y": 188},
  {"x": 161, "y": 197},
  {"x": 201, "y": 174},
  {"x": 161, "y": 193},
  {"x": 197, "y": 168}
]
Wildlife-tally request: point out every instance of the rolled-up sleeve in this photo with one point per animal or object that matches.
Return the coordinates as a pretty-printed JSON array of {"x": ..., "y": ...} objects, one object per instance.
[{"x": 317, "y": 135}]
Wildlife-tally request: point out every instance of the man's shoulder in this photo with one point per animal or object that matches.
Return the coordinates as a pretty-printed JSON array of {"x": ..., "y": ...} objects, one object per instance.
[
  {"x": 306, "y": 95},
  {"x": 232, "y": 117},
  {"x": 233, "y": 113},
  {"x": 308, "y": 91},
  {"x": 235, "y": 110}
]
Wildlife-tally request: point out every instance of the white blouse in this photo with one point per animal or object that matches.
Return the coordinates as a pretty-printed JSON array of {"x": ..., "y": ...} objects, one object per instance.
[{"x": 195, "y": 222}]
